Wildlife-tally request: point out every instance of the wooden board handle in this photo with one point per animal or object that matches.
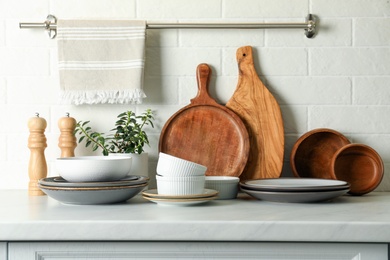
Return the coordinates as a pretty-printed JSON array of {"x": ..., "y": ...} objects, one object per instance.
[
  {"x": 203, "y": 76},
  {"x": 244, "y": 56}
]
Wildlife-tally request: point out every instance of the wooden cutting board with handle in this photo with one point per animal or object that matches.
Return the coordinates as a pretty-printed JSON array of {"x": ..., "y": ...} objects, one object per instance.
[
  {"x": 261, "y": 114},
  {"x": 207, "y": 133}
]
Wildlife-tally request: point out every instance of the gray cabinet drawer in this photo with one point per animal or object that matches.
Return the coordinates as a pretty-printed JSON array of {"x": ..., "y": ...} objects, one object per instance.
[
  {"x": 193, "y": 250},
  {"x": 3, "y": 250}
]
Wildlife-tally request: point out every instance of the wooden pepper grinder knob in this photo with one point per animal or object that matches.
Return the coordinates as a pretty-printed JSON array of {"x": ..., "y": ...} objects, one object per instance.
[
  {"x": 37, "y": 168},
  {"x": 67, "y": 140}
]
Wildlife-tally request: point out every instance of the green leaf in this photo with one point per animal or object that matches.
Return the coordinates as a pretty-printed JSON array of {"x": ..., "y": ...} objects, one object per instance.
[
  {"x": 100, "y": 140},
  {"x": 86, "y": 122},
  {"x": 122, "y": 114}
]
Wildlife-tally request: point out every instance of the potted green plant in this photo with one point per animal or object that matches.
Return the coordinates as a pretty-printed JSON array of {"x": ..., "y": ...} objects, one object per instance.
[{"x": 128, "y": 137}]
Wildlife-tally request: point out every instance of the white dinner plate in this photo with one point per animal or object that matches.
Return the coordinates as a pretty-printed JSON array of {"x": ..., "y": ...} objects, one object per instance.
[
  {"x": 154, "y": 194},
  {"x": 179, "y": 202},
  {"x": 294, "y": 184},
  {"x": 296, "y": 196}
]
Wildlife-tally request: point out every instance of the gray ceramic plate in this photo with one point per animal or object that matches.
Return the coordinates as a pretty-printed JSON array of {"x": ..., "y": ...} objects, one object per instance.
[
  {"x": 294, "y": 184},
  {"x": 61, "y": 182},
  {"x": 295, "y": 197},
  {"x": 92, "y": 196}
]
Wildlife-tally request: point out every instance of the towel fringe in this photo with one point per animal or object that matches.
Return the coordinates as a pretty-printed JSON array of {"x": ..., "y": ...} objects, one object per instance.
[{"x": 90, "y": 97}]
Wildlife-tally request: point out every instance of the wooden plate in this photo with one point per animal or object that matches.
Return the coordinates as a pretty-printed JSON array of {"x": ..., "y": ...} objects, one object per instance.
[
  {"x": 207, "y": 133},
  {"x": 360, "y": 166}
]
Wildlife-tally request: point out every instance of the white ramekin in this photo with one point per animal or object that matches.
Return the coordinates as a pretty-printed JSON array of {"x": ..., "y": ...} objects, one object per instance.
[
  {"x": 169, "y": 165},
  {"x": 226, "y": 185},
  {"x": 180, "y": 185}
]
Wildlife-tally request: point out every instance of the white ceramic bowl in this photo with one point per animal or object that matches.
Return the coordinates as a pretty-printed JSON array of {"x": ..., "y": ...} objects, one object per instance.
[
  {"x": 93, "y": 168},
  {"x": 180, "y": 185},
  {"x": 226, "y": 185},
  {"x": 169, "y": 165}
]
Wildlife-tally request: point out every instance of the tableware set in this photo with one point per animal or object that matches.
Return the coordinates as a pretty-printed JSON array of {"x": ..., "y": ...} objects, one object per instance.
[
  {"x": 179, "y": 182},
  {"x": 90, "y": 193},
  {"x": 176, "y": 176},
  {"x": 90, "y": 180},
  {"x": 295, "y": 190},
  {"x": 179, "y": 200},
  {"x": 327, "y": 154}
]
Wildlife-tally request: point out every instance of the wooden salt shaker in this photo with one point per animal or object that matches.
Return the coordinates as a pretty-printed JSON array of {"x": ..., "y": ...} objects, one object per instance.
[
  {"x": 37, "y": 167},
  {"x": 67, "y": 140}
]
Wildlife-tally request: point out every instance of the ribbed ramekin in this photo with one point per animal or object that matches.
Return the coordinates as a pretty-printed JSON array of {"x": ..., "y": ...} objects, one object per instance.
[
  {"x": 169, "y": 165},
  {"x": 180, "y": 185}
]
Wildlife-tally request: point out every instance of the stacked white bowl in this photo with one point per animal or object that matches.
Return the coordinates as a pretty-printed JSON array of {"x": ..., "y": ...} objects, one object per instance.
[{"x": 176, "y": 176}]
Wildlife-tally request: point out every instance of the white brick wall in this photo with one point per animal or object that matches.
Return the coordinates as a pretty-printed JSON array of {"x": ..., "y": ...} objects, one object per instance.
[{"x": 340, "y": 79}]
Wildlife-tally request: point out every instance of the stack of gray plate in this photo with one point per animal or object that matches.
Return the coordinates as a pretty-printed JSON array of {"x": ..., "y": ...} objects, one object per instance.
[
  {"x": 84, "y": 193},
  {"x": 298, "y": 190}
]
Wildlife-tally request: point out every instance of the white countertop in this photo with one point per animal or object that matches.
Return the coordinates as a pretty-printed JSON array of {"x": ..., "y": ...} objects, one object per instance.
[{"x": 346, "y": 219}]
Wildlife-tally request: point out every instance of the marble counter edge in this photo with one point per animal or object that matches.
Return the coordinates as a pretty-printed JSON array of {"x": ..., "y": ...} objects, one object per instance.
[
  {"x": 42, "y": 219},
  {"x": 195, "y": 231}
]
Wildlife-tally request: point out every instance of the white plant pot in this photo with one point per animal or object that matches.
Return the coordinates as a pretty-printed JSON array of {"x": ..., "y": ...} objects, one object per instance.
[{"x": 140, "y": 164}]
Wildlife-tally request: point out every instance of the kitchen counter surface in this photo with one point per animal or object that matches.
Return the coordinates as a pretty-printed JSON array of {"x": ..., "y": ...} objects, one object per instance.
[{"x": 346, "y": 219}]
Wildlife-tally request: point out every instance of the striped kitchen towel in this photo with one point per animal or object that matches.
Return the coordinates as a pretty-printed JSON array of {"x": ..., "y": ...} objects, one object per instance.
[{"x": 101, "y": 61}]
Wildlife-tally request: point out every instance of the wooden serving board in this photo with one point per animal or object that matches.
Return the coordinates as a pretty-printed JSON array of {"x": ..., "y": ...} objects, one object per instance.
[
  {"x": 261, "y": 114},
  {"x": 207, "y": 133}
]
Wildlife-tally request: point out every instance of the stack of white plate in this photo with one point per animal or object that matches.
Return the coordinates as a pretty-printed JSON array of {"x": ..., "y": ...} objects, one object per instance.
[
  {"x": 296, "y": 190},
  {"x": 84, "y": 193},
  {"x": 179, "y": 200}
]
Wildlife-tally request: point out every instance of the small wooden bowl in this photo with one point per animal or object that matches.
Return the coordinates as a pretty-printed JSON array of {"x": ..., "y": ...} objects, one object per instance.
[
  {"x": 360, "y": 166},
  {"x": 312, "y": 153}
]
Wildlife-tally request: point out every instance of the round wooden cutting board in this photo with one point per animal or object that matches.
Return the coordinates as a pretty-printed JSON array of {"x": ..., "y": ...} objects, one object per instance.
[
  {"x": 207, "y": 133},
  {"x": 261, "y": 114}
]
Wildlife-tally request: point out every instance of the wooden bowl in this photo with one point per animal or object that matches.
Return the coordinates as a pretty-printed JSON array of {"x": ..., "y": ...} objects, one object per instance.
[
  {"x": 360, "y": 166},
  {"x": 312, "y": 153}
]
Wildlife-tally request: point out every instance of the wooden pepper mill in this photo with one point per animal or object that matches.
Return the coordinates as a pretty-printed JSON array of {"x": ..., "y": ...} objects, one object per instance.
[
  {"x": 37, "y": 167},
  {"x": 67, "y": 140}
]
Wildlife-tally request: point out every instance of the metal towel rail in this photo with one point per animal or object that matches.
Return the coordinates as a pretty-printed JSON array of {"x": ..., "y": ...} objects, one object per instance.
[{"x": 309, "y": 26}]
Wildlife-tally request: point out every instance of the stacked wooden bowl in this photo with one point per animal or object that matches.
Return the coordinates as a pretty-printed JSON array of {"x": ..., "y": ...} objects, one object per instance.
[{"x": 327, "y": 154}]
